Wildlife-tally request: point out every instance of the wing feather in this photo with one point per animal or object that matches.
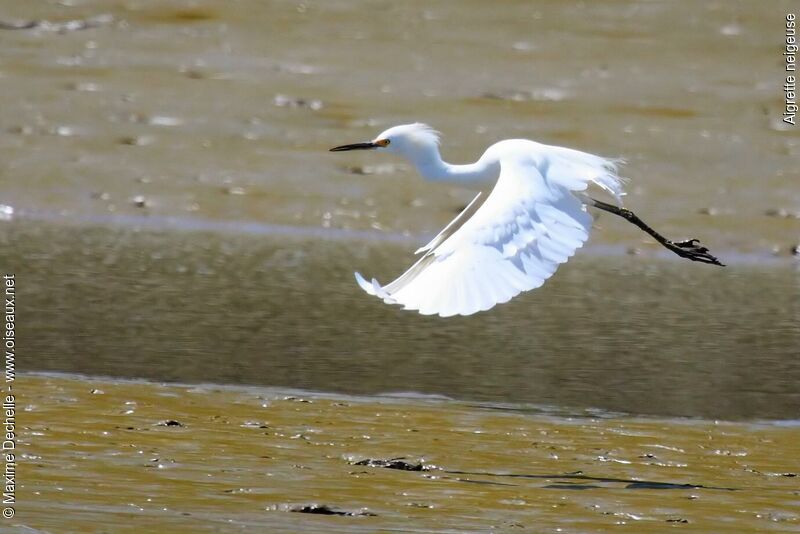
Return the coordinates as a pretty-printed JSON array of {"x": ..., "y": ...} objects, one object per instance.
[
  {"x": 453, "y": 225},
  {"x": 489, "y": 253}
]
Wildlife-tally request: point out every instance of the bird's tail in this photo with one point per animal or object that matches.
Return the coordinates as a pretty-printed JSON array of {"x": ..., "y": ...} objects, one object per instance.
[
  {"x": 608, "y": 180},
  {"x": 575, "y": 170}
]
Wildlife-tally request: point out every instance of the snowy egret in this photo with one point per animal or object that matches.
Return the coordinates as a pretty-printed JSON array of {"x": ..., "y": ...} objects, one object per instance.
[{"x": 534, "y": 219}]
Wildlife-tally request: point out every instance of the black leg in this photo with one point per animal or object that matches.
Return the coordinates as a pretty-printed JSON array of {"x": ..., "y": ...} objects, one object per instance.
[{"x": 690, "y": 249}]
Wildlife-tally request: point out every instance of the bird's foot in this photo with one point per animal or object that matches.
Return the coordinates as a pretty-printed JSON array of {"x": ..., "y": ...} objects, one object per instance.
[{"x": 693, "y": 250}]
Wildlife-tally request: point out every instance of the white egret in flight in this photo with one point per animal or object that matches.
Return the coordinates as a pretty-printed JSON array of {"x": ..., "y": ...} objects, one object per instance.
[{"x": 533, "y": 220}]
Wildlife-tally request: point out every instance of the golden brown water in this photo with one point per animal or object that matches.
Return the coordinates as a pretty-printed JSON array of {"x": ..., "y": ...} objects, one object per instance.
[
  {"x": 243, "y": 458},
  {"x": 172, "y": 213}
]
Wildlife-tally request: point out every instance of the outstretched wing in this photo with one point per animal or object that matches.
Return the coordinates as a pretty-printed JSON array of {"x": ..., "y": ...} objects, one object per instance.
[{"x": 512, "y": 243}]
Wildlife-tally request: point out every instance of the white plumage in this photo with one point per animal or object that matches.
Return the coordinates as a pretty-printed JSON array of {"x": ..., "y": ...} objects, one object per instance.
[{"x": 531, "y": 222}]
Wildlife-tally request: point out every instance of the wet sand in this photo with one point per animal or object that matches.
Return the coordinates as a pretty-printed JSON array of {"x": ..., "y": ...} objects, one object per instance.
[
  {"x": 179, "y": 109},
  {"x": 146, "y": 457}
]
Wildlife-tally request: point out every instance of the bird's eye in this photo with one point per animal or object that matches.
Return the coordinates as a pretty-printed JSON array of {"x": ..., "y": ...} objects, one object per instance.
[{"x": 383, "y": 142}]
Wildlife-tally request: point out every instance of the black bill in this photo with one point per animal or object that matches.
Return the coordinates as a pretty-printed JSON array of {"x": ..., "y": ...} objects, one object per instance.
[{"x": 355, "y": 146}]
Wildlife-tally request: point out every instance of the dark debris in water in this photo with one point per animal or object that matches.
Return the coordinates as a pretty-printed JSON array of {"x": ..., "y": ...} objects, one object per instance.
[
  {"x": 292, "y": 398},
  {"x": 324, "y": 509},
  {"x": 169, "y": 422},
  {"x": 394, "y": 463},
  {"x": 663, "y": 485}
]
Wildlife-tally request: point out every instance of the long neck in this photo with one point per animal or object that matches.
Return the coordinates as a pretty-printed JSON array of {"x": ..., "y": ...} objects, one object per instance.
[{"x": 430, "y": 166}]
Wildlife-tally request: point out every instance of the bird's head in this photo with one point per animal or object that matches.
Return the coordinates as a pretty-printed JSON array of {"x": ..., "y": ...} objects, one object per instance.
[{"x": 405, "y": 140}]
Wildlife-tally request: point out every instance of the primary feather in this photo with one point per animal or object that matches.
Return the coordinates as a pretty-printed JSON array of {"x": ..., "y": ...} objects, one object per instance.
[{"x": 530, "y": 223}]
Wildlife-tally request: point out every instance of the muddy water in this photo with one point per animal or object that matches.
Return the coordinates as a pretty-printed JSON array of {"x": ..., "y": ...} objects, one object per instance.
[
  {"x": 614, "y": 332},
  {"x": 171, "y": 213},
  {"x": 147, "y": 457}
]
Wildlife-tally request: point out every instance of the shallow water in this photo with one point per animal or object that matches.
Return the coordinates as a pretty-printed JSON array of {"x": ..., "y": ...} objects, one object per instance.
[{"x": 623, "y": 333}]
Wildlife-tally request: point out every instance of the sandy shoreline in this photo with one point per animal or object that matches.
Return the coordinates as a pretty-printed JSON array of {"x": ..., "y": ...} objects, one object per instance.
[{"x": 201, "y": 458}]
